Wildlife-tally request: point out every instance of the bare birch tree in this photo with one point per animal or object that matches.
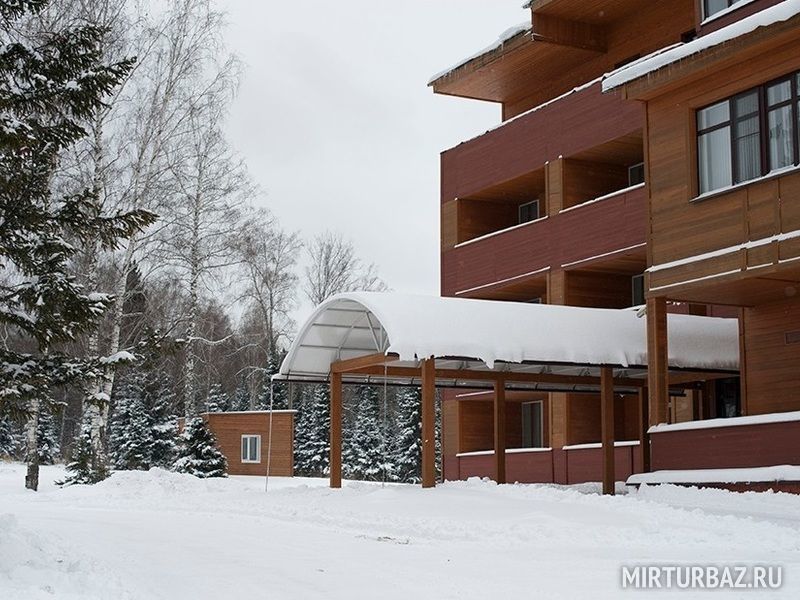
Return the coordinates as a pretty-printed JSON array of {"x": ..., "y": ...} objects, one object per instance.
[
  {"x": 212, "y": 185},
  {"x": 334, "y": 268},
  {"x": 267, "y": 258},
  {"x": 127, "y": 157}
]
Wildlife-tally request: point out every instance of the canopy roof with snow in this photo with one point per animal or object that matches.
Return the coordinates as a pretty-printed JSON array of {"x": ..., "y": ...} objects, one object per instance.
[{"x": 482, "y": 336}]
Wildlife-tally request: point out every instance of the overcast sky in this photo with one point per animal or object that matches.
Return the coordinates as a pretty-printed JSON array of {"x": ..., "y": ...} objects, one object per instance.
[{"x": 338, "y": 126}]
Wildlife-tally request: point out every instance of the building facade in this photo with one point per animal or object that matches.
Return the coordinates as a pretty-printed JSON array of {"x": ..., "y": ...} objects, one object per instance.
[
  {"x": 244, "y": 439},
  {"x": 618, "y": 179}
]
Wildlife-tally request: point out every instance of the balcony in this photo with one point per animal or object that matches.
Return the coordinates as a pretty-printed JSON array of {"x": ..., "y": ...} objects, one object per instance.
[
  {"x": 570, "y": 126},
  {"x": 513, "y": 264}
]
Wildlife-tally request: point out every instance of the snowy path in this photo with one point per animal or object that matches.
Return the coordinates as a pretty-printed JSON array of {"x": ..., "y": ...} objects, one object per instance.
[{"x": 162, "y": 535}]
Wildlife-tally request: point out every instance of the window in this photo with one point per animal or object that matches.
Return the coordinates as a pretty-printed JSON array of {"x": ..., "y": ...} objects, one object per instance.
[
  {"x": 532, "y": 436},
  {"x": 528, "y": 211},
  {"x": 712, "y": 7},
  {"x": 251, "y": 448},
  {"x": 749, "y": 135},
  {"x": 637, "y": 290},
  {"x": 636, "y": 174}
]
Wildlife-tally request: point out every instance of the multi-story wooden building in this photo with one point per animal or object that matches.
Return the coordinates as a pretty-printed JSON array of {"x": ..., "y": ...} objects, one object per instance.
[{"x": 647, "y": 151}]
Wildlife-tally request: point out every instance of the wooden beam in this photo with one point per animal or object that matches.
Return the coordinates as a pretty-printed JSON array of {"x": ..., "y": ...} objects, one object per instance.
[
  {"x": 657, "y": 359},
  {"x": 336, "y": 431},
  {"x": 509, "y": 376},
  {"x": 743, "y": 363},
  {"x": 428, "y": 423},
  {"x": 500, "y": 431},
  {"x": 361, "y": 362},
  {"x": 644, "y": 425},
  {"x": 607, "y": 419},
  {"x": 574, "y": 34}
]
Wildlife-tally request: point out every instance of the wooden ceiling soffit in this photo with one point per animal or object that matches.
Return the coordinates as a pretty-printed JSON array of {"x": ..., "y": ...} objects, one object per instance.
[{"x": 574, "y": 34}]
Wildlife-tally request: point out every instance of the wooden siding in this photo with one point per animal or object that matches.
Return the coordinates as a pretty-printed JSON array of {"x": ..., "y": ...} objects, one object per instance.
[
  {"x": 681, "y": 228},
  {"x": 572, "y": 125},
  {"x": 773, "y": 356},
  {"x": 631, "y": 33},
  {"x": 584, "y": 421},
  {"x": 603, "y": 227},
  {"x": 230, "y": 427},
  {"x": 450, "y": 434}
]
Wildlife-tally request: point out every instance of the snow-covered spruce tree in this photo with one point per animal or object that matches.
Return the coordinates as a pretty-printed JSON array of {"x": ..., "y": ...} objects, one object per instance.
[
  {"x": 80, "y": 467},
  {"x": 241, "y": 397},
  {"x": 311, "y": 446},
  {"x": 51, "y": 83},
  {"x": 47, "y": 435},
  {"x": 407, "y": 443},
  {"x": 161, "y": 406},
  {"x": 365, "y": 454},
  {"x": 10, "y": 438},
  {"x": 280, "y": 390},
  {"x": 198, "y": 453},
  {"x": 217, "y": 400},
  {"x": 131, "y": 438}
]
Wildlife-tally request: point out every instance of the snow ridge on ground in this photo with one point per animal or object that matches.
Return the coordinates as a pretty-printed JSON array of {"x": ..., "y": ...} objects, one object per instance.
[
  {"x": 166, "y": 535},
  {"x": 33, "y": 567}
]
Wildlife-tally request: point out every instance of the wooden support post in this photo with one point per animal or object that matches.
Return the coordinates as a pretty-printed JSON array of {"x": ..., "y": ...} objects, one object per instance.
[
  {"x": 428, "y": 423},
  {"x": 336, "y": 431},
  {"x": 607, "y": 419},
  {"x": 644, "y": 425},
  {"x": 500, "y": 431},
  {"x": 657, "y": 360}
]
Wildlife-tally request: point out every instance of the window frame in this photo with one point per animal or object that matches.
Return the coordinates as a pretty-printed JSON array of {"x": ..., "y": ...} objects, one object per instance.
[
  {"x": 526, "y": 204},
  {"x": 250, "y": 437},
  {"x": 539, "y": 423},
  {"x": 639, "y": 277},
  {"x": 706, "y": 15},
  {"x": 764, "y": 110}
]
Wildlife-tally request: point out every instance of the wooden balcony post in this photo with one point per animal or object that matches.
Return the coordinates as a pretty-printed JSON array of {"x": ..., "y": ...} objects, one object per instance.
[
  {"x": 500, "y": 431},
  {"x": 428, "y": 423},
  {"x": 644, "y": 425},
  {"x": 607, "y": 420},
  {"x": 336, "y": 431},
  {"x": 657, "y": 360}
]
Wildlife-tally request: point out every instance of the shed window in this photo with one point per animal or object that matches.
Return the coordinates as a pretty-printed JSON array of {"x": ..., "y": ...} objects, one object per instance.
[
  {"x": 749, "y": 135},
  {"x": 251, "y": 448}
]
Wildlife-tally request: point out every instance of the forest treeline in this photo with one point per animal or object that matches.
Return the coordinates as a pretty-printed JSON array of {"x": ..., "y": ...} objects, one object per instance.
[{"x": 142, "y": 277}]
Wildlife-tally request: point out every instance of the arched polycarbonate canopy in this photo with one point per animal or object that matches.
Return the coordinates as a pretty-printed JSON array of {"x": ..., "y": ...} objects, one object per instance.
[{"x": 471, "y": 339}]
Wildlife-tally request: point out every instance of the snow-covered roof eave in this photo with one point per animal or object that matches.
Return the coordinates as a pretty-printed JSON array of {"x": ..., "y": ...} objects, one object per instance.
[
  {"x": 647, "y": 66},
  {"x": 413, "y": 326},
  {"x": 507, "y": 36}
]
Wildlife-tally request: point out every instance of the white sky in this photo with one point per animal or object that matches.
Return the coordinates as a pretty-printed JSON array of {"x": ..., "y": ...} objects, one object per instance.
[{"x": 337, "y": 125}]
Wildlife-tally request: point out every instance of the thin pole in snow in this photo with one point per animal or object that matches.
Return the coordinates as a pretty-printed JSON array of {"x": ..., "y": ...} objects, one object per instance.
[{"x": 269, "y": 438}]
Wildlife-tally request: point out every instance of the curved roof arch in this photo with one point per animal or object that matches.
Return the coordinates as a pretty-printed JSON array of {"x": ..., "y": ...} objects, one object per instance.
[{"x": 491, "y": 335}]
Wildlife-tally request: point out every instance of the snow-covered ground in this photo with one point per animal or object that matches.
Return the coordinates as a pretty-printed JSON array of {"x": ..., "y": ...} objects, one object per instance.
[{"x": 163, "y": 535}]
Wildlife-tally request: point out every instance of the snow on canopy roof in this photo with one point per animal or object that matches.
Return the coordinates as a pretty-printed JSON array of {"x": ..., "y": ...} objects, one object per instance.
[
  {"x": 414, "y": 326},
  {"x": 769, "y": 16}
]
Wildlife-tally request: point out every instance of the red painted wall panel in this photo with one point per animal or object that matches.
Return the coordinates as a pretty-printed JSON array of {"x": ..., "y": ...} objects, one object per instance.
[
  {"x": 587, "y": 231},
  {"x": 742, "y": 446},
  {"x": 578, "y": 122},
  {"x": 529, "y": 467}
]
